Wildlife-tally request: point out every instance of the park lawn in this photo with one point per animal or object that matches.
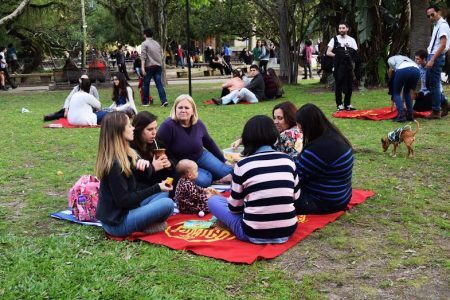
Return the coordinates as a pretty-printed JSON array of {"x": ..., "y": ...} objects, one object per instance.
[{"x": 396, "y": 244}]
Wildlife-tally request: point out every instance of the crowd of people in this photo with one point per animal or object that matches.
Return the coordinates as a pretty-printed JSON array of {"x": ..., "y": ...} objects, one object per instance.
[{"x": 285, "y": 167}]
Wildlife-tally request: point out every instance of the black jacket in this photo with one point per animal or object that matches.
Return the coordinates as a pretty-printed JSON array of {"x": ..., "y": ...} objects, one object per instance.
[
  {"x": 120, "y": 194},
  {"x": 257, "y": 86}
]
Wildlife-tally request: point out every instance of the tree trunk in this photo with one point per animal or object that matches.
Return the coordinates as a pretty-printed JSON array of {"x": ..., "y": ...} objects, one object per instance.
[
  {"x": 285, "y": 55},
  {"x": 420, "y": 26}
]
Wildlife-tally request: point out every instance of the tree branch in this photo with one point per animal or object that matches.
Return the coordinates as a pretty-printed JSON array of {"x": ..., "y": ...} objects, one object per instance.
[{"x": 16, "y": 13}]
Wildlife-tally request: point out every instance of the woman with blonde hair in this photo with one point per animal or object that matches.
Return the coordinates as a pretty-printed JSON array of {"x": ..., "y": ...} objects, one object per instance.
[
  {"x": 124, "y": 207},
  {"x": 186, "y": 137}
]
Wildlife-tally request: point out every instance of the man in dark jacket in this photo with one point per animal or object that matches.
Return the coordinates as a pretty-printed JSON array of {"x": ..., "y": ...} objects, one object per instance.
[
  {"x": 253, "y": 92},
  {"x": 121, "y": 63}
]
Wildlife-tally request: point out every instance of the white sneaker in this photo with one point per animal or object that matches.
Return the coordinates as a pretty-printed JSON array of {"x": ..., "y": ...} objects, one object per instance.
[{"x": 340, "y": 107}]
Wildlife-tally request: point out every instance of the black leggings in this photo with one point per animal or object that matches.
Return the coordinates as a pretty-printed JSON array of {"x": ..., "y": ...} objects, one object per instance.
[{"x": 306, "y": 204}]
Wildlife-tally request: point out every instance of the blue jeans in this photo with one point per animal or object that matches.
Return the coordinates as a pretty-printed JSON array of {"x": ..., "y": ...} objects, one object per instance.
[
  {"x": 156, "y": 208},
  {"x": 218, "y": 206},
  {"x": 155, "y": 73},
  {"x": 405, "y": 79},
  {"x": 245, "y": 95},
  {"x": 100, "y": 115},
  {"x": 211, "y": 168},
  {"x": 434, "y": 81}
]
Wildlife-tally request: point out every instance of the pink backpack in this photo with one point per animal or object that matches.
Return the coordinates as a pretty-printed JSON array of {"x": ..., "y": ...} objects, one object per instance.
[{"x": 83, "y": 198}]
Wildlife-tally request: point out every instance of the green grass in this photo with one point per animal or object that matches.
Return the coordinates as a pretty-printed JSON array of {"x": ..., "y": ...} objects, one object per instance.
[{"x": 396, "y": 244}]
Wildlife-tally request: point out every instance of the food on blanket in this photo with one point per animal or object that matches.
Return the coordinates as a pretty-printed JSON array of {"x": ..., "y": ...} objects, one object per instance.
[
  {"x": 233, "y": 155},
  {"x": 59, "y": 173},
  {"x": 212, "y": 191},
  {"x": 169, "y": 181},
  {"x": 159, "y": 152},
  {"x": 201, "y": 214}
]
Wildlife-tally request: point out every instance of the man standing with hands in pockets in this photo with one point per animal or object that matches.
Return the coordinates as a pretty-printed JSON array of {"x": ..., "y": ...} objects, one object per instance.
[{"x": 439, "y": 44}]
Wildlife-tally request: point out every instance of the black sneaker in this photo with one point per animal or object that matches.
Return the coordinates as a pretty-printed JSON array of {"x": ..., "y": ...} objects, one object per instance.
[
  {"x": 217, "y": 101},
  {"x": 165, "y": 104},
  {"x": 350, "y": 107}
]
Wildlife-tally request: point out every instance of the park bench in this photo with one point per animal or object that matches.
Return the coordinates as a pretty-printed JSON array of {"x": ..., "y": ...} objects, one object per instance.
[{"x": 43, "y": 77}]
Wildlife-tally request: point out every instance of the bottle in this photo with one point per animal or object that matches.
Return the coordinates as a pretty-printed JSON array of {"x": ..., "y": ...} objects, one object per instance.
[{"x": 82, "y": 210}]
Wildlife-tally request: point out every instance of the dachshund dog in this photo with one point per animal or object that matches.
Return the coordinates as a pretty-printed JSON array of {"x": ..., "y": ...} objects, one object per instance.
[{"x": 403, "y": 134}]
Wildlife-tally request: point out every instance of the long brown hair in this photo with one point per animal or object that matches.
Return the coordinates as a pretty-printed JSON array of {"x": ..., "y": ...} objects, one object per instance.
[
  {"x": 140, "y": 122},
  {"x": 112, "y": 145}
]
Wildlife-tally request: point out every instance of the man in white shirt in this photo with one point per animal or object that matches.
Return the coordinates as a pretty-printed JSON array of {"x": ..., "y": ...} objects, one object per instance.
[
  {"x": 439, "y": 44},
  {"x": 343, "y": 70}
]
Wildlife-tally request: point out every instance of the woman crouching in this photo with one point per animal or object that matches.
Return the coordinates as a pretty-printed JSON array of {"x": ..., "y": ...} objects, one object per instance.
[
  {"x": 124, "y": 207},
  {"x": 260, "y": 208}
]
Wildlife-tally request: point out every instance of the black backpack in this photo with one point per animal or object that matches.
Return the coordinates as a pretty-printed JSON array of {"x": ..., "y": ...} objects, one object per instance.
[{"x": 327, "y": 62}]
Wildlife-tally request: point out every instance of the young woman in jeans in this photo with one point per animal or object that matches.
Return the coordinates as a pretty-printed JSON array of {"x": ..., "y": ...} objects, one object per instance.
[{"x": 124, "y": 206}]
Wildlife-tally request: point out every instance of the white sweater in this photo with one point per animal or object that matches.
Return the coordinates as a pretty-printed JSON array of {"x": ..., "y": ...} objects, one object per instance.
[
  {"x": 129, "y": 104},
  {"x": 81, "y": 109}
]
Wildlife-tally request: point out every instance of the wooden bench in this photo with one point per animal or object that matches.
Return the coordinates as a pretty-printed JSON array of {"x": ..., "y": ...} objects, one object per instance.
[
  {"x": 182, "y": 74},
  {"x": 43, "y": 77}
]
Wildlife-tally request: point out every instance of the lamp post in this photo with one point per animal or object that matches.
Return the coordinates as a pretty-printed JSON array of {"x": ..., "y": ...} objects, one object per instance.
[
  {"x": 188, "y": 34},
  {"x": 84, "y": 26}
]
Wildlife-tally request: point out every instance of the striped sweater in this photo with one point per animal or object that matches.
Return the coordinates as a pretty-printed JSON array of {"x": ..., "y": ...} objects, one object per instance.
[
  {"x": 325, "y": 170},
  {"x": 264, "y": 188}
]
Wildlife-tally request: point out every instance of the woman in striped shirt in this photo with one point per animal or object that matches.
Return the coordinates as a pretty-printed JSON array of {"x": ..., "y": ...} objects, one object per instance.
[
  {"x": 324, "y": 166},
  {"x": 260, "y": 208}
]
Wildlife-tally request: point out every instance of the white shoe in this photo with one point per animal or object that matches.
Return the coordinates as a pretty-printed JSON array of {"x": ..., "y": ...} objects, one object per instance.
[{"x": 340, "y": 107}]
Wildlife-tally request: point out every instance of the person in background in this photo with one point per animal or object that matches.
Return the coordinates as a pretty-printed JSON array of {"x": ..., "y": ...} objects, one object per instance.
[
  {"x": 123, "y": 206},
  {"x": 405, "y": 81},
  {"x": 325, "y": 177},
  {"x": 62, "y": 113},
  {"x": 4, "y": 69},
  {"x": 439, "y": 45},
  {"x": 343, "y": 52},
  {"x": 180, "y": 55},
  {"x": 256, "y": 52},
  {"x": 230, "y": 88},
  {"x": 151, "y": 67},
  {"x": 273, "y": 86},
  {"x": 11, "y": 55},
  {"x": 82, "y": 106},
  {"x": 424, "y": 99},
  {"x": 264, "y": 57},
  {"x": 260, "y": 208},
  {"x": 307, "y": 56},
  {"x": 122, "y": 96},
  {"x": 121, "y": 63}
]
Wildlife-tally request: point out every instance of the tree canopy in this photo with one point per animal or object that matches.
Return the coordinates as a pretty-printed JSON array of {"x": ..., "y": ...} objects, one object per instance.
[{"x": 41, "y": 28}]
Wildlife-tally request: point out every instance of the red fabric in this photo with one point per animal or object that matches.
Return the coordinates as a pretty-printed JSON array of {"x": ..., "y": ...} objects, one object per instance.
[
  {"x": 376, "y": 114},
  {"x": 222, "y": 244},
  {"x": 212, "y": 102},
  {"x": 65, "y": 124}
]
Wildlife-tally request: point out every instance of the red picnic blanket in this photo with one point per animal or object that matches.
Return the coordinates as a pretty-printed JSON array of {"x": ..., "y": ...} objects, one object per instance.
[
  {"x": 376, "y": 114},
  {"x": 63, "y": 123},
  {"x": 222, "y": 244}
]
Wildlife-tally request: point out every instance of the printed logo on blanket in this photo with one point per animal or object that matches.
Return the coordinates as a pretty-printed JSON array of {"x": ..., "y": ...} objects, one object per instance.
[
  {"x": 211, "y": 235},
  {"x": 198, "y": 235}
]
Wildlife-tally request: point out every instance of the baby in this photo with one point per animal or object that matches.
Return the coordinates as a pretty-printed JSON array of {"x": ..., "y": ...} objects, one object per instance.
[{"x": 191, "y": 199}]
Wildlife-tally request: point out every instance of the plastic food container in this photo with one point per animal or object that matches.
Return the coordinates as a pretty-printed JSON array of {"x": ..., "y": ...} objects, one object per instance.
[{"x": 233, "y": 154}]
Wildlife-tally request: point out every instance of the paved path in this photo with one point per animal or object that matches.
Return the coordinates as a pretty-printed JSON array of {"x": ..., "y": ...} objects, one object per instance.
[{"x": 134, "y": 83}]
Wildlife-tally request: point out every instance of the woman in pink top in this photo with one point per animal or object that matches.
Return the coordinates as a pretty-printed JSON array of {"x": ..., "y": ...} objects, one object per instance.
[{"x": 230, "y": 88}]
